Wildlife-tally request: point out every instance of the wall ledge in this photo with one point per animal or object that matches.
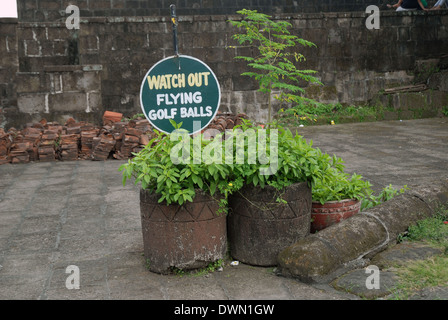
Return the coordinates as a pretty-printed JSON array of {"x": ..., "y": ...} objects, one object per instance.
[
  {"x": 72, "y": 68},
  {"x": 217, "y": 18}
]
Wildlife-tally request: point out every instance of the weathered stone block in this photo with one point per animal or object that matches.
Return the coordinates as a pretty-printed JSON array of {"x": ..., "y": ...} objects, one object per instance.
[
  {"x": 308, "y": 259},
  {"x": 314, "y": 23},
  {"x": 32, "y": 48},
  {"x": 49, "y": 5},
  {"x": 89, "y": 43},
  {"x": 31, "y": 103},
  {"x": 94, "y": 102},
  {"x": 439, "y": 81},
  {"x": 80, "y": 81},
  {"x": 90, "y": 81},
  {"x": 60, "y": 47},
  {"x": 438, "y": 99},
  {"x": 118, "y": 4},
  {"x": 100, "y": 4},
  {"x": 413, "y": 100},
  {"x": 67, "y": 102},
  {"x": 354, "y": 282},
  {"x": 28, "y": 82}
]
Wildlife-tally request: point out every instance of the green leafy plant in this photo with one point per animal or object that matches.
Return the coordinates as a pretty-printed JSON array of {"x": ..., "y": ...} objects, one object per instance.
[
  {"x": 313, "y": 112},
  {"x": 135, "y": 116},
  {"x": 445, "y": 111},
  {"x": 386, "y": 194},
  {"x": 430, "y": 272},
  {"x": 336, "y": 185},
  {"x": 340, "y": 186},
  {"x": 433, "y": 229},
  {"x": 154, "y": 169},
  {"x": 177, "y": 182},
  {"x": 210, "y": 268},
  {"x": 274, "y": 60},
  {"x": 297, "y": 160}
]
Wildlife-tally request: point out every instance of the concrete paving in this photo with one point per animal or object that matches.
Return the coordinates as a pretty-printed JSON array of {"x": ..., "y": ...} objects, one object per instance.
[
  {"x": 408, "y": 152},
  {"x": 55, "y": 215}
]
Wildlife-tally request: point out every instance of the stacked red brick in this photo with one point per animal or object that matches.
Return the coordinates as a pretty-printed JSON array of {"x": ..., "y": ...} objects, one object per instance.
[
  {"x": 5, "y": 145},
  {"x": 68, "y": 147},
  {"x": 88, "y": 132},
  {"x": 32, "y": 137},
  {"x": 18, "y": 150},
  {"x": 70, "y": 140},
  {"x": 103, "y": 145},
  {"x": 49, "y": 141},
  {"x": 226, "y": 121},
  {"x": 81, "y": 140}
]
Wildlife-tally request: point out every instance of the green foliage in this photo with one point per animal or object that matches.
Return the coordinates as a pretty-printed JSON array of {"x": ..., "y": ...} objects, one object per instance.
[
  {"x": 274, "y": 62},
  {"x": 432, "y": 271},
  {"x": 386, "y": 194},
  {"x": 250, "y": 163},
  {"x": 338, "y": 186},
  {"x": 154, "y": 168},
  {"x": 210, "y": 268},
  {"x": 312, "y": 109},
  {"x": 420, "y": 274},
  {"x": 445, "y": 111},
  {"x": 433, "y": 229},
  {"x": 297, "y": 160},
  {"x": 308, "y": 112},
  {"x": 135, "y": 116}
]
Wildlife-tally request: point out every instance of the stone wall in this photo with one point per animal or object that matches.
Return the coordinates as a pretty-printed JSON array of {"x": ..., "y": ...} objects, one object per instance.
[
  {"x": 114, "y": 53},
  {"x": 60, "y": 90},
  {"x": 9, "y": 64},
  {"x": 52, "y": 10}
]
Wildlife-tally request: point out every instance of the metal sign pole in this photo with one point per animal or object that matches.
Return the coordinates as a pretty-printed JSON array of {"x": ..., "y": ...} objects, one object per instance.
[{"x": 174, "y": 22}]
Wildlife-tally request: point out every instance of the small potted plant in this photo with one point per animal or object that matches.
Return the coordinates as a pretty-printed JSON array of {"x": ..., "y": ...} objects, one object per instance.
[
  {"x": 182, "y": 204},
  {"x": 337, "y": 196}
]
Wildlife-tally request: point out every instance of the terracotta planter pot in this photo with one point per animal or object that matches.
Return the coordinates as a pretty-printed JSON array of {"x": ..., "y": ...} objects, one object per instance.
[
  {"x": 259, "y": 227},
  {"x": 331, "y": 212},
  {"x": 186, "y": 237}
]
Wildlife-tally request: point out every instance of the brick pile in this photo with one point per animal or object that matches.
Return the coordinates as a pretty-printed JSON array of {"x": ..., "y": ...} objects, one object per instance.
[
  {"x": 115, "y": 139},
  {"x": 226, "y": 121}
]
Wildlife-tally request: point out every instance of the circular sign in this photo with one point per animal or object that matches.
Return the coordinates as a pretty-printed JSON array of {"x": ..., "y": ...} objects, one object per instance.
[{"x": 183, "y": 89}]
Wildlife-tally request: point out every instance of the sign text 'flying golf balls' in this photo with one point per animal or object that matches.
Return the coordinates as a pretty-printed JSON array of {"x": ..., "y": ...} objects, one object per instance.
[{"x": 183, "y": 89}]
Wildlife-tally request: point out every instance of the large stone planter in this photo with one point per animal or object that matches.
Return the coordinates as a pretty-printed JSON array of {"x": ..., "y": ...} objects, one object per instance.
[
  {"x": 331, "y": 212},
  {"x": 259, "y": 227},
  {"x": 189, "y": 236}
]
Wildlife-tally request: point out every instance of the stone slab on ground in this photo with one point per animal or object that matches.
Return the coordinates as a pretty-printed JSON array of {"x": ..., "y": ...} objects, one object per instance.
[
  {"x": 403, "y": 253},
  {"x": 434, "y": 293},
  {"x": 354, "y": 282},
  {"x": 387, "y": 262}
]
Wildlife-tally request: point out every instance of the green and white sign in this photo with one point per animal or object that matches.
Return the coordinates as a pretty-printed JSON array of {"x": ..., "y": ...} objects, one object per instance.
[{"x": 183, "y": 89}]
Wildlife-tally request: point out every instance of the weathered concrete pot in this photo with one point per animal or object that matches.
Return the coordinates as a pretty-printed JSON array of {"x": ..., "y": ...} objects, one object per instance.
[
  {"x": 259, "y": 227},
  {"x": 187, "y": 236},
  {"x": 331, "y": 212}
]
